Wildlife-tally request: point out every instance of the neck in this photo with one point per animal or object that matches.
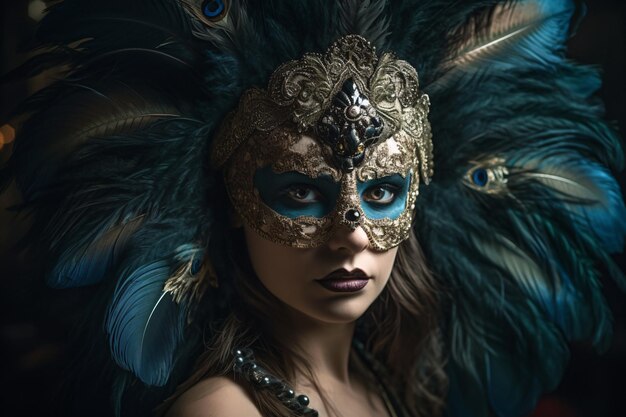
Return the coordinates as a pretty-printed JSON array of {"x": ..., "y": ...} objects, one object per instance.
[{"x": 324, "y": 346}]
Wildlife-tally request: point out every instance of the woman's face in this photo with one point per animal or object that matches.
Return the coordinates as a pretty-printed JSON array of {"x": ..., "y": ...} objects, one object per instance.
[{"x": 332, "y": 283}]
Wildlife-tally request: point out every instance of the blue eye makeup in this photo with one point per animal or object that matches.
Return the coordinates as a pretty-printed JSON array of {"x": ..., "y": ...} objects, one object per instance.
[
  {"x": 293, "y": 194},
  {"x": 384, "y": 197}
]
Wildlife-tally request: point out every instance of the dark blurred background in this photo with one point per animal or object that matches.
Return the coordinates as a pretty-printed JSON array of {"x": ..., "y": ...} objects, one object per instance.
[{"x": 34, "y": 346}]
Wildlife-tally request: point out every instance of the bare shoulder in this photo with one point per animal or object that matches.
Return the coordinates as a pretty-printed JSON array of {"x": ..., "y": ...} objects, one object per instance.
[{"x": 214, "y": 397}]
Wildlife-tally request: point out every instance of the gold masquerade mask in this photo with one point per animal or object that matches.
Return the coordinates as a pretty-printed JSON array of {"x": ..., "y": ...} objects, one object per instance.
[{"x": 337, "y": 140}]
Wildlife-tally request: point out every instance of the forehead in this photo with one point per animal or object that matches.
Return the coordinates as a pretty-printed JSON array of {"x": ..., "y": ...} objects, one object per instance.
[{"x": 287, "y": 150}]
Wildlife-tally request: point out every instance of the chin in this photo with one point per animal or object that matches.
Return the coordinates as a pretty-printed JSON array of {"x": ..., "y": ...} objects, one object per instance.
[{"x": 340, "y": 310}]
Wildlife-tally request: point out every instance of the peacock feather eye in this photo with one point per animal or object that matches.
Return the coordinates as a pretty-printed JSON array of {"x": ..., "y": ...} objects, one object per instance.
[
  {"x": 195, "y": 266},
  {"x": 214, "y": 10},
  {"x": 488, "y": 176},
  {"x": 480, "y": 177}
]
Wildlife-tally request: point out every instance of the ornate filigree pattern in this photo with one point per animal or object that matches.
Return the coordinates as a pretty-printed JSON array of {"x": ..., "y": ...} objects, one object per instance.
[
  {"x": 287, "y": 127},
  {"x": 301, "y": 92},
  {"x": 285, "y": 151}
]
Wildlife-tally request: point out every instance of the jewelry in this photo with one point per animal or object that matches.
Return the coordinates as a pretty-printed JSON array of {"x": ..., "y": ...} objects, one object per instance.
[{"x": 246, "y": 366}]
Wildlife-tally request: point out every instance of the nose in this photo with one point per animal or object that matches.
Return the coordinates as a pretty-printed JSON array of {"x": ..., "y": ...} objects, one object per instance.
[{"x": 346, "y": 240}]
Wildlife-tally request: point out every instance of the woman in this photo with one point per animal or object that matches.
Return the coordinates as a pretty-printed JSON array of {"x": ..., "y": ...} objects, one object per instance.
[
  {"x": 324, "y": 200},
  {"x": 321, "y": 288}
]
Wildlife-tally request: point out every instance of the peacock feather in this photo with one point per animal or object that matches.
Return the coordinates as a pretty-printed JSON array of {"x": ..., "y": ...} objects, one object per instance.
[{"x": 522, "y": 209}]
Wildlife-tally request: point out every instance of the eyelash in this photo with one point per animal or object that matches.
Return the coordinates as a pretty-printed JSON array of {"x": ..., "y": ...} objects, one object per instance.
[
  {"x": 392, "y": 189},
  {"x": 290, "y": 192}
]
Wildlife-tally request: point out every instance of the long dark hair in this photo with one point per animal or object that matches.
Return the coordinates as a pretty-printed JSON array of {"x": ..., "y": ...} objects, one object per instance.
[{"x": 400, "y": 330}]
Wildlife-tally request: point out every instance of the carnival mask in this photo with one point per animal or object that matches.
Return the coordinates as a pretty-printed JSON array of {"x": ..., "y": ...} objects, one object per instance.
[{"x": 337, "y": 140}]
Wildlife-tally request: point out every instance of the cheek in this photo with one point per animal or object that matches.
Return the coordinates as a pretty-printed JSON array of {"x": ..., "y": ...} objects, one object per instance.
[
  {"x": 385, "y": 262},
  {"x": 275, "y": 265},
  {"x": 261, "y": 254}
]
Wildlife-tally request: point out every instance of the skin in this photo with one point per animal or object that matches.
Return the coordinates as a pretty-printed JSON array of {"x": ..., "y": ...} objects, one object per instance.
[
  {"x": 318, "y": 323},
  {"x": 314, "y": 321},
  {"x": 290, "y": 274}
]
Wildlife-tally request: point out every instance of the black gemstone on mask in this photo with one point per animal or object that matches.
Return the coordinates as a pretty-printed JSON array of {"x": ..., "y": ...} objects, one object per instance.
[{"x": 352, "y": 215}]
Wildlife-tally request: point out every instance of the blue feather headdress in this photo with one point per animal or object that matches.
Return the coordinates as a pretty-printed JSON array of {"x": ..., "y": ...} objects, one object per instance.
[{"x": 523, "y": 208}]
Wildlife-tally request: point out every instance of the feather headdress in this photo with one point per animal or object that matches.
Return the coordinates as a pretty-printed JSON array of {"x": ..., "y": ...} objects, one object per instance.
[{"x": 523, "y": 207}]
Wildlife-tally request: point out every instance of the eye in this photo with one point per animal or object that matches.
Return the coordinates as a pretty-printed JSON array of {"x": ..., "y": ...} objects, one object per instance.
[
  {"x": 480, "y": 177},
  {"x": 213, "y": 9},
  {"x": 303, "y": 194},
  {"x": 489, "y": 176},
  {"x": 381, "y": 194}
]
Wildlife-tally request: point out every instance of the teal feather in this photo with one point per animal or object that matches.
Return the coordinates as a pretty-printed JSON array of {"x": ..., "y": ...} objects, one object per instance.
[
  {"x": 520, "y": 255},
  {"x": 144, "y": 324},
  {"x": 364, "y": 18},
  {"x": 86, "y": 261},
  {"x": 524, "y": 32},
  {"x": 590, "y": 195}
]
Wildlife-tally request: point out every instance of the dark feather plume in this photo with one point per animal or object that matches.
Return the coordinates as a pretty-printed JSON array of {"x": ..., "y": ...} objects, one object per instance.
[
  {"x": 365, "y": 18},
  {"x": 519, "y": 248}
]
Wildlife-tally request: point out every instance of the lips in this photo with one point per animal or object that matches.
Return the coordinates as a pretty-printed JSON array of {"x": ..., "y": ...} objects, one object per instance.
[{"x": 343, "y": 280}]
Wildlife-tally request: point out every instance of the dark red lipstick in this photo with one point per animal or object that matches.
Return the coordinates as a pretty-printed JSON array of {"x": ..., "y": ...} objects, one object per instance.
[{"x": 343, "y": 280}]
